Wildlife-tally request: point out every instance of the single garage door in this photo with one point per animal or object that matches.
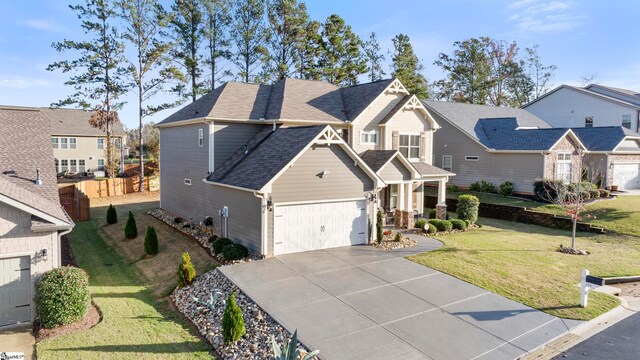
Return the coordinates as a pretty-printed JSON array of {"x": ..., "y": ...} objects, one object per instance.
[
  {"x": 316, "y": 226},
  {"x": 15, "y": 285},
  {"x": 626, "y": 176}
]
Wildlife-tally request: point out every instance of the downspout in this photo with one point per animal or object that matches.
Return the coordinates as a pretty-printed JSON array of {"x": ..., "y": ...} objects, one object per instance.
[
  {"x": 60, "y": 235},
  {"x": 263, "y": 221}
]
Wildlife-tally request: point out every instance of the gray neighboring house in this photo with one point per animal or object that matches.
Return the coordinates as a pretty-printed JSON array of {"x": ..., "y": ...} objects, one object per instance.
[
  {"x": 288, "y": 167},
  {"x": 31, "y": 218},
  {"x": 496, "y": 144}
]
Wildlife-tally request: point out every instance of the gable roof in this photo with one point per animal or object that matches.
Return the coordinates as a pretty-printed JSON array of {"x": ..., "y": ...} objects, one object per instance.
[
  {"x": 76, "y": 122},
  {"x": 412, "y": 102},
  {"x": 358, "y": 97},
  {"x": 376, "y": 159},
  {"x": 624, "y": 101},
  {"x": 25, "y": 146},
  {"x": 604, "y": 138},
  {"x": 504, "y": 134}
]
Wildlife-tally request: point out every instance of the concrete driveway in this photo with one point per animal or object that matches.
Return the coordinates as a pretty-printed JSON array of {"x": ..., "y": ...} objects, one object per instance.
[{"x": 360, "y": 302}]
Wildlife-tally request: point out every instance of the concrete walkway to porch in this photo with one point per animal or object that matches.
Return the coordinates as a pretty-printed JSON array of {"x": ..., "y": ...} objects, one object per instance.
[{"x": 362, "y": 302}]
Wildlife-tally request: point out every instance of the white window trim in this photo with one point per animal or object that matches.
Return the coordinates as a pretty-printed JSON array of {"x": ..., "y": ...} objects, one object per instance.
[
  {"x": 369, "y": 132},
  {"x": 623, "y": 121},
  {"x": 587, "y": 119},
  {"x": 450, "y": 157},
  {"x": 57, "y": 142},
  {"x": 563, "y": 162},
  {"x": 187, "y": 181},
  {"x": 200, "y": 137},
  {"x": 66, "y": 143},
  {"x": 410, "y": 146},
  {"x": 75, "y": 143},
  {"x": 472, "y": 158},
  {"x": 104, "y": 165},
  {"x": 98, "y": 142}
]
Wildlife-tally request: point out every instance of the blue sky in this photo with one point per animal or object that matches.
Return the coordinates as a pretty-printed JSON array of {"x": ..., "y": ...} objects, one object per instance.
[{"x": 580, "y": 37}]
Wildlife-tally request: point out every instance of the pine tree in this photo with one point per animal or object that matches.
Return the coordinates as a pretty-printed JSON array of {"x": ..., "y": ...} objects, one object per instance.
[
  {"x": 249, "y": 34},
  {"x": 287, "y": 20},
  {"x": 374, "y": 57},
  {"x": 186, "y": 23},
  {"x": 151, "y": 241},
  {"x": 130, "y": 229},
  {"x": 217, "y": 22},
  {"x": 232, "y": 321},
  {"x": 340, "y": 59},
  {"x": 307, "y": 58},
  {"x": 112, "y": 215},
  {"x": 407, "y": 67},
  {"x": 98, "y": 73}
]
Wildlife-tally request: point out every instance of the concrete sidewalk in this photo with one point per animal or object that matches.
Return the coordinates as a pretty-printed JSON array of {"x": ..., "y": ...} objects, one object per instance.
[
  {"x": 362, "y": 302},
  {"x": 18, "y": 339}
]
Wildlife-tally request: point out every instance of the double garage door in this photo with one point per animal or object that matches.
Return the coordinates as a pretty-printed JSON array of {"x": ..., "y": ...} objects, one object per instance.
[
  {"x": 15, "y": 289},
  {"x": 626, "y": 176},
  {"x": 304, "y": 227}
]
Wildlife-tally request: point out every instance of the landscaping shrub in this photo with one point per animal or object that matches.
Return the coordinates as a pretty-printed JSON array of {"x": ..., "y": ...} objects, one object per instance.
[
  {"x": 547, "y": 189},
  {"x": 219, "y": 244},
  {"x": 151, "y": 241},
  {"x": 432, "y": 229},
  {"x": 458, "y": 224},
  {"x": 453, "y": 188},
  {"x": 212, "y": 238},
  {"x": 379, "y": 229},
  {"x": 444, "y": 225},
  {"x": 420, "y": 223},
  {"x": 475, "y": 187},
  {"x": 433, "y": 222},
  {"x": 234, "y": 251},
  {"x": 232, "y": 321},
  {"x": 178, "y": 220},
  {"x": 605, "y": 193},
  {"x": 468, "y": 208},
  {"x": 130, "y": 229},
  {"x": 62, "y": 296},
  {"x": 488, "y": 187},
  {"x": 584, "y": 186},
  {"x": 432, "y": 214},
  {"x": 398, "y": 236},
  {"x": 506, "y": 188},
  {"x": 186, "y": 271},
  {"x": 112, "y": 215},
  {"x": 595, "y": 194},
  {"x": 467, "y": 222}
]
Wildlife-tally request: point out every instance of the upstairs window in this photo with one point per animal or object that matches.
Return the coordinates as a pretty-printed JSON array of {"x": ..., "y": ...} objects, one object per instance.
[
  {"x": 55, "y": 143},
  {"x": 200, "y": 137},
  {"x": 626, "y": 121},
  {"x": 447, "y": 162},
  {"x": 100, "y": 144},
  {"x": 563, "y": 167},
  {"x": 369, "y": 137},
  {"x": 63, "y": 143},
  {"x": 72, "y": 143},
  {"x": 409, "y": 146},
  {"x": 588, "y": 121}
]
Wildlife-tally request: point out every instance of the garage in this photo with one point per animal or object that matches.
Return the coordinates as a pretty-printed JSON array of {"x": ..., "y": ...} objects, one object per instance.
[
  {"x": 15, "y": 290},
  {"x": 626, "y": 176},
  {"x": 305, "y": 227}
]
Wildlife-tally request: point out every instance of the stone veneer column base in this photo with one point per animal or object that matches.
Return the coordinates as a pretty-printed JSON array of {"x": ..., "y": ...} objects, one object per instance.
[{"x": 441, "y": 212}]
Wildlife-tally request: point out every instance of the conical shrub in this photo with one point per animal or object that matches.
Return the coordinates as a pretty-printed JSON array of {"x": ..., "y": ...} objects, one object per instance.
[
  {"x": 151, "y": 241},
  {"x": 232, "y": 321},
  {"x": 112, "y": 215},
  {"x": 130, "y": 229},
  {"x": 186, "y": 271}
]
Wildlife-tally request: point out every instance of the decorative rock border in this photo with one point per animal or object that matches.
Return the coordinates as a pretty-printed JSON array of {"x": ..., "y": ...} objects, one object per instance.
[{"x": 255, "y": 344}]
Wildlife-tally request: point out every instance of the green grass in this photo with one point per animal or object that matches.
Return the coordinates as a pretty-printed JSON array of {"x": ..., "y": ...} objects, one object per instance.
[
  {"x": 519, "y": 262},
  {"x": 489, "y": 198},
  {"x": 135, "y": 324}
]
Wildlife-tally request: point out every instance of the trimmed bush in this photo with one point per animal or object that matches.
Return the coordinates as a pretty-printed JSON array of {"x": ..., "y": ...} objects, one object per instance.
[
  {"x": 130, "y": 229},
  {"x": 595, "y": 194},
  {"x": 433, "y": 222},
  {"x": 234, "y": 251},
  {"x": 506, "y": 188},
  {"x": 453, "y": 188},
  {"x": 432, "y": 229},
  {"x": 212, "y": 238},
  {"x": 444, "y": 225},
  {"x": 547, "y": 189},
  {"x": 62, "y": 296},
  {"x": 475, "y": 187},
  {"x": 605, "y": 193},
  {"x": 186, "y": 271},
  {"x": 232, "y": 321},
  {"x": 467, "y": 223},
  {"x": 151, "y": 241},
  {"x": 420, "y": 223},
  {"x": 584, "y": 186},
  {"x": 459, "y": 224},
  {"x": 112, "y": 215},
  {"x": 488, "y": 187},
  {"x": 432, "y": 214},
  {"x": 468, "y": 208},
  {"x": 219, "y": 244}
]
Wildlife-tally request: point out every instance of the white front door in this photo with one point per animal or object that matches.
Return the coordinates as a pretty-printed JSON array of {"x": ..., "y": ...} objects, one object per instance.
[
  {"x": 305, "y": 227},
  {"x": 626, "y": 176},
  {"x": 15, "y": 285}
]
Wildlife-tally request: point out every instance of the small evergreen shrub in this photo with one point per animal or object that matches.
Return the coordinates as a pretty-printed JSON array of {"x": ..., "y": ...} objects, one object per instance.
[
  {"x": 398, "y": 237},
  {"x": 433, "y": 222},
  {"x": 379, "y": 230},
  {"x": 130, "y": 229},
  {"x": 488, "y": 187},
  {"x": 232, "y": 321},
  {"x": 219, "y": 244},
  {"x": 234, "y": 251},
  {"x": 212, "y": 238},
  {"x": 475, "y": 187},
  {"x": 186, "y": 271},
  {"x": 444, "y": 225},
  {"x": 432, "y": 229},
  {"x": 506, "y": 188},
  {"x": 432, "y": 214},
  {"x": 468, "y": 223},
  {"x": 468, "y": 208},
  {"x": 151, "y": 241},
  {"x": 459, "y": 224},
  {"x": 112, "y": 215},
  {"x": 62, "y": 296},
  {"x": 420, "y": 223},
  {"x": 453, "y": 188},
  {"x": 178, "y": 220}
]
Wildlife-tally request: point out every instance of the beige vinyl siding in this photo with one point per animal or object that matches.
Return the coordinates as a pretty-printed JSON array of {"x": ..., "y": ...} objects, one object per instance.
[
  {"x": 86, "y": 149},
  {"x": 301, "y": 182},
  {"x": 411, "y": 122},
  {"x": 228, "y": 138},
  {"x": 245, "y": 215},
  {"x": 369, "y": 120},
  {"x": 520, "y": 168},
  {"x": 394, "y": 171}
]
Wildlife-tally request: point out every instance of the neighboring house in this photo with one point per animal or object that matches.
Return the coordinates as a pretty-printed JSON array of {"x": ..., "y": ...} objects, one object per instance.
[
  {"x": 614, "y": 156},
  {"x": 79, "y": 147},
  {"x": 31, "y": 218},
  {"x": 593, "y": 106},
  {"x": 496, "y": 144},
  {"x": 299, "y": 165}
]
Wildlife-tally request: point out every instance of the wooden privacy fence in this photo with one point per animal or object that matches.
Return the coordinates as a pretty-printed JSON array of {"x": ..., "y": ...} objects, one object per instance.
[
  {"x": 75, "y": 203},
  {"x": 111, "y": 187}
]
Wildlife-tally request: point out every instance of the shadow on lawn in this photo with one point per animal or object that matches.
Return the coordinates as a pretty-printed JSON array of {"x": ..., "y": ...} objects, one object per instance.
[{"x": 159, "y": 348}]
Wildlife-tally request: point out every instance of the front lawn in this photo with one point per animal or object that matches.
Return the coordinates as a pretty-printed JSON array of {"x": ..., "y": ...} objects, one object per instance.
[
  {"x": 136, "y": 323},
  {"x": 519, "y": 261}
]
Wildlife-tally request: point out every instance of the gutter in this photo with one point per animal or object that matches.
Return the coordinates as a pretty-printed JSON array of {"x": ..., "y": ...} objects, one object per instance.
[{"x": 263, "y": 223}]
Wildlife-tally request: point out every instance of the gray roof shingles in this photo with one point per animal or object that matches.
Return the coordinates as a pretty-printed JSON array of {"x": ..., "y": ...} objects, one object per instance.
[
  {"x": 605, "y": 138},
  {"x": 75, "y": 122},
  {"x": 375, "y": 159},
  {"x": 25, "y": 146}
]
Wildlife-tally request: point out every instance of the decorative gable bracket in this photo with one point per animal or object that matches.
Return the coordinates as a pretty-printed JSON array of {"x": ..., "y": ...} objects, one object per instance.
[
  {"x": 328, "y": 137},
  {"x": 396, "y": 87}
]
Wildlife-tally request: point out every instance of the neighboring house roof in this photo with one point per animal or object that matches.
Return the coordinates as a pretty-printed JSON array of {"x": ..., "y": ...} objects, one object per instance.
[
  {"x": 25, "y": 146},
  {"x": 288, "y": 99},
  {"x": 604, "y": 138},
  {"x": 504, "y": 134},
  {"x": 76, "y": 122},
  {"x": 624, "y": 101}
]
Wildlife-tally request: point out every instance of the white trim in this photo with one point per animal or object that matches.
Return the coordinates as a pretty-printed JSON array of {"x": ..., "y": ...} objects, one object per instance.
[
  {"x": 415, "y": 173},
  {"x": 415, "y": 104},
  {"x": 573, "y": 136},
  {"x": 369, "y": 132},
  {"x": 395, "y": 87},
  {"x": 211, "y": 147},
  {"x": 450, "y": 159},
  {"x": 200, "y": 137},
  {"x": 409, "y": 146},
  {"x": 31, "y": 210},
  {"x": 98, "y": 141},
  {"x": 287, "y": 203},
  {"x": 228, "y": 186}
]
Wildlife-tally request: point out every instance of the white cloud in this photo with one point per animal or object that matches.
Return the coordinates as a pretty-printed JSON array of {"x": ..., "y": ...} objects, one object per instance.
[
  {"x": 20, "y": 82},
  {"x": 544, "y": 17},
  {"x": 43, "y": 24}
]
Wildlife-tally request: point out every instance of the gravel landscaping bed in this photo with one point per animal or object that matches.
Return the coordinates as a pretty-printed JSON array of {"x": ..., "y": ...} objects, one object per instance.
[
  {"x": 255, "y": 344},
  {"x": 389, "y": 243}
]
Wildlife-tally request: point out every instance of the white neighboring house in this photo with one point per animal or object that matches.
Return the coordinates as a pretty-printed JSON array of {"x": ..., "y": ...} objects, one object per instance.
[
  {"x": 31, "y": 218},
  {"x": 591, "y": 106}
]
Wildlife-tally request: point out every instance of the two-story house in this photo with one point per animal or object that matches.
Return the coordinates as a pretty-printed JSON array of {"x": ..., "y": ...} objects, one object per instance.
[
  {"x": 299, "y": 165},
  {"x": 78, "y": 147}
]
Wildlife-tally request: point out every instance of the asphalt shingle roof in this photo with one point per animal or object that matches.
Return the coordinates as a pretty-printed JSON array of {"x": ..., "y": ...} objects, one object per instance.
[
  {"x": 25, "y": 146},
  {"x": 75, "y": 122},
  {"x": 605, "y": 138},
  {"x": 358, "y": 97},
  {"x": 502, "y": 134},
  {"x": 426, "y": 169},
  {"x": 253, "y": 166},
  {"x": 377, "y": 158}
]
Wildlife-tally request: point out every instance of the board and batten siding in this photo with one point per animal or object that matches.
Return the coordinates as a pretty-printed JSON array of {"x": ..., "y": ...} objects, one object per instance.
[
  {"x": 370, "y": 118},
  {"x": 395, "y": 171},
  {"x": 520, "y": 168},
  {"x": 230, "y": 137}
]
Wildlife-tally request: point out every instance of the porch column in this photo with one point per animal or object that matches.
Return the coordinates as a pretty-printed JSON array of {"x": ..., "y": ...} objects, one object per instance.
[
  {"x": 441, "y": 206},
  {"x": 401, "y": 199},
  {"x": 421, "y": 199},
  {"x": 409, "y": 195}
]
